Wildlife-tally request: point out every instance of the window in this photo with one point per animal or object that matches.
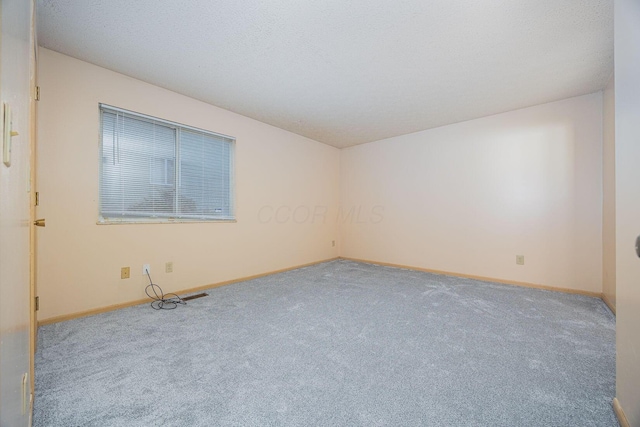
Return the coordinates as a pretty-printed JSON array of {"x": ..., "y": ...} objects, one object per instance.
[{"x": 155, "y": 170}]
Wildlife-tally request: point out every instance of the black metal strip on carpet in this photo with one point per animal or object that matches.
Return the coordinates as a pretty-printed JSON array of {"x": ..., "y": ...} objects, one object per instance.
[{"x": 190, "y": 297}]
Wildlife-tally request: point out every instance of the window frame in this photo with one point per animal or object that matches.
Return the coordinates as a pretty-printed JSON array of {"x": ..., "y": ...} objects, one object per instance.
[{"x": 107, "y": 220}]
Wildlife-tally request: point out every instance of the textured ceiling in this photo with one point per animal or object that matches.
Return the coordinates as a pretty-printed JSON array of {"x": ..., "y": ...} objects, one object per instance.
[{"x": 346, "y": 72}]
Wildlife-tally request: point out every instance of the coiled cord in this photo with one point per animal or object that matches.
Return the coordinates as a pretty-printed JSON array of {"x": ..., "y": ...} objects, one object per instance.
[{"x": 160, "y": 301}]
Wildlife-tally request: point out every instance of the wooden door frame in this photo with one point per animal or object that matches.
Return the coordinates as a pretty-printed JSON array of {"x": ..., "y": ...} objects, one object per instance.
[{"x": 33, "y": 81}]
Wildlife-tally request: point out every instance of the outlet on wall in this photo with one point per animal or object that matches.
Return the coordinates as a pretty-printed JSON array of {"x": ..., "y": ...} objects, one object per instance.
[
  {"x": 333, "y": 243},
  {"x": 520, "y": 259},
  {"x": 168, "y": 267},
  {"x": 125, "y": 272},
  {"x": 146, "y": 268}
]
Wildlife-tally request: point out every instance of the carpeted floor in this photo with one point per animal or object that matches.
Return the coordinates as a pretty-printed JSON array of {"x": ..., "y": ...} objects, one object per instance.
[{"x": 336, "y": 344}]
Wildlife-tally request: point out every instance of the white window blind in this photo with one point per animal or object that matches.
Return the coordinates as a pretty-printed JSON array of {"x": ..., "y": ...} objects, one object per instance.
[{"x": 153, "y": 169}]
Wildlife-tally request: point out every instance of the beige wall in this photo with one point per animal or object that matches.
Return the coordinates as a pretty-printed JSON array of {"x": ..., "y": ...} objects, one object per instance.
[
  {"x": 627, "y": 111},
  {"x": 14, "y": 213},
  {"x": 609, "y": 195},
  {"x": 286, "y": 197},
  {"x": 469, "y": 197}
]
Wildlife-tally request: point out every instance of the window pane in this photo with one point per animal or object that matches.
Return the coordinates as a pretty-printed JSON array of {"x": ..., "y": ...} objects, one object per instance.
[
  {"x": 135, "y": 179},
  {"x": 204, "y": 175}
]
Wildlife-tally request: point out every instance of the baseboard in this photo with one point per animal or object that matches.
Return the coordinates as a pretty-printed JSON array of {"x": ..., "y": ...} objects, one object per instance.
[
  {"x": 622, "y": 418},
  {"x": 113, "y": 307},
  {"x": 609, "y": 304},
  {"x": 483, "y": 278}
]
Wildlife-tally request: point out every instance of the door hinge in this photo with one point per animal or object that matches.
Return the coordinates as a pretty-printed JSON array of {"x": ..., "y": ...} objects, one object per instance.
[
  {"x": 37, "y": 201},
  {"x": 37, "y": 303},
  {"x": 37, "y": 93}
]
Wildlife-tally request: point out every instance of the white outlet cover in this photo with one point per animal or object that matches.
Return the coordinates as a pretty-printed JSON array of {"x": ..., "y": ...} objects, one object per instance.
[{"x": 145, "y": 268}]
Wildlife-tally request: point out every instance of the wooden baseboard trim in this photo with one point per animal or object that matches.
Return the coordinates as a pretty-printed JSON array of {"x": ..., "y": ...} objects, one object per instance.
[
  {"x": 622, "y": 418},
  {"x": 483, "y": 278},
  {"x": 85, "y": 313},
  {"x": 607, "y": 301},
  {"x": 113, "y": 307}
]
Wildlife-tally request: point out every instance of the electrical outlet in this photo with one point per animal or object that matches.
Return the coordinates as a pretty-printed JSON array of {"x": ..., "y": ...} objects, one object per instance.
[
  {"x": 125, "y": 272},
  {"x": 168, "y": 267},
  {"x": 333, "y": 243},
  {"x": 520, "y": 259},
  {"x": 146, "y": 268}
]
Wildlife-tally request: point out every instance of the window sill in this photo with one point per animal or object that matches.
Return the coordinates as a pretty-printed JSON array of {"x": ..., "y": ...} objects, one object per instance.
[{"x": 164, "y": 221}]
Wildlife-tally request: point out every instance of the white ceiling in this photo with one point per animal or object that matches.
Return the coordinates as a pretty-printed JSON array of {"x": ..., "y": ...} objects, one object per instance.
[{"x": 346, "y": 72}]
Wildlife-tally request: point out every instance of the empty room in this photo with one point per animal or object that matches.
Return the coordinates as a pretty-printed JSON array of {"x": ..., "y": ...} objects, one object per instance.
[{"x": 335, "y": 213}]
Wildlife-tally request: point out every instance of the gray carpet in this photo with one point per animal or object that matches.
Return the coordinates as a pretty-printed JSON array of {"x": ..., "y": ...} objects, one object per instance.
[{"x": 336, "y": 344}]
